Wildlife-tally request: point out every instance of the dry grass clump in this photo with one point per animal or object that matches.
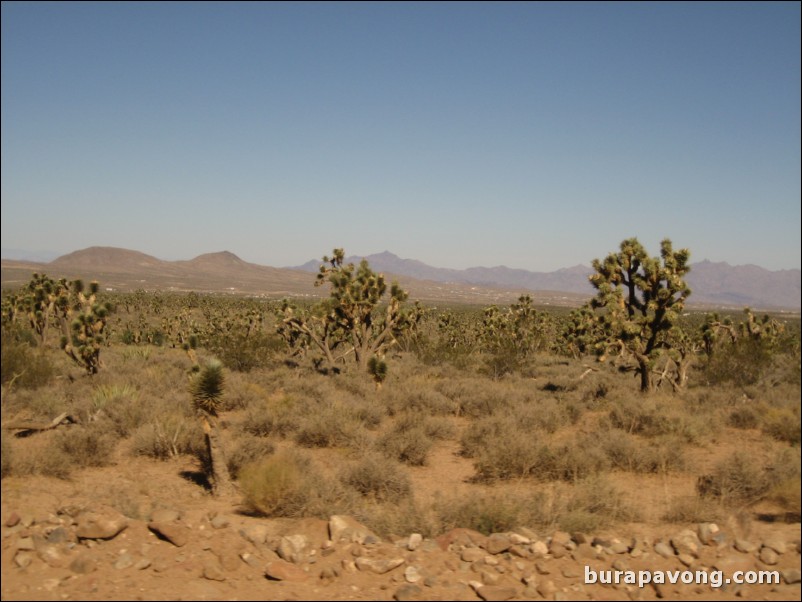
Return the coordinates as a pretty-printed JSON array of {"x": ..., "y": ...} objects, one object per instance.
[
  {"x": 287, "y": 484},
  {"x": 635, "y": 454},
  {"x": 247, "y": 449},
  {"x": 167, "y": 436},
  {"x": 493, "y": 511},
  {"x": 406, "y": 442},
  {"x": 331, "y": 425},
  {"x": 593, "y": 504},
  {"x": 377, "y": 478},
  {"x": 656, "y": 416}
]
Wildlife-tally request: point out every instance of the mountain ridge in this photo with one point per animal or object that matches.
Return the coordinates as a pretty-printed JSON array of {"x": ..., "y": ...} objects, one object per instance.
[{"x": 712, "y": 283}]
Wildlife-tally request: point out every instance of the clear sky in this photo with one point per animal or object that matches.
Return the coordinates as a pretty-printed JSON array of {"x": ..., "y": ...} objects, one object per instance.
[{"x": 533, "y": 135}]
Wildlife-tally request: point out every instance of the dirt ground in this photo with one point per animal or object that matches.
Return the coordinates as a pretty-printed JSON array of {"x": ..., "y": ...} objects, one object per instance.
[{"x": 218, "y": 552}]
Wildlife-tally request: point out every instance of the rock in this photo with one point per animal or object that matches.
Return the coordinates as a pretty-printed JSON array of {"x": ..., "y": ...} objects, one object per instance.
[
  {"x": 584, "y": 551},
  {"x": 542, "y": 567},
  {"x": 686, "y": 559},
  {"x": 707, "y": 532},
  {"x": 13, "y": 520},
  {"x": 23, "y": 559},
  {"x": 378, "y": 565},
  {"x": 489, "y": 577},
  {"x": 570, "y": 572},
  {"x": 414, "y": 541},
  {"x": 220, "y": 522},
  {"x": 51, "y": 555},
  {"x": 293, "y": 548},
  {"x": 745, "y": 546},
  {"x": 520, "y": 551},
  {"x": 546, "y": 588},
  {"x": 281, "y": 570},
  {"x": 664, "y": 549},
  {"x": 776, "y": 544},
  {"x": 412, "y": 574},
  {"x": 213, "y": 572},
  {"x": 256, "y": 534},
  {"x": 59, "y": 535},
  {"x": 496, "y": 592},
  {"x": 460, "y": 537},
  {"x": 347, "y": 528},
  {"x": 408, "y": 592},
  {"x": 768, "y": 556},
  {"x": 620, "y": 564},
  {"x": 497, "y": 543},
  {"x": 539, "y": 549},
  {"x": 25, "y": 544},
  {"x": 791, "y": 576},
  {"x": 124, "y": 561},
  {"x": 83, "y": 564},
  {"x": 178, "y": 535},
  {"x": 164, "y": 515},
  {"x": 686, "y": 542},
  {"x": 729, "y": 564},
  {"x": 142, "y": 564},
  {"x": 472, "y": 555},
  {"x": 92, "y": 525},
  {"x": 518, "y": 540}
]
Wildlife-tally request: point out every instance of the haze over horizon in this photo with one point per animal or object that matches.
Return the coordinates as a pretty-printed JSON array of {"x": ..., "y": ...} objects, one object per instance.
[{"x": 534, "y": 136}]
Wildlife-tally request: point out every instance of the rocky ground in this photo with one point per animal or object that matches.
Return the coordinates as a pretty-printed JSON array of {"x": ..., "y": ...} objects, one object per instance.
[{"x": 60, "y": 543}]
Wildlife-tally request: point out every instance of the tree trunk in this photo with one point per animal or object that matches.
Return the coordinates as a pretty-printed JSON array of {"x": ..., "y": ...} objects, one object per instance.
[
  {"x": 222, "y": 485},
  {"x": 646, "y": 382}
]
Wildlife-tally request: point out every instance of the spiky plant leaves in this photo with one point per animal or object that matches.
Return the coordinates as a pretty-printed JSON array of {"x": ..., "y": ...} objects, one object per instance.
[{"x": 207, "y": 388}]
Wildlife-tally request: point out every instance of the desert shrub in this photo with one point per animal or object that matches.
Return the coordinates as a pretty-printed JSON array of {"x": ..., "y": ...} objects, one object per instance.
[
  {"x": 6, "y": 462},
  {"x": 693, "y": 509},
  {"x": 394, "y": 520},
  {"x": 247, "y": 449},
  {"x": 286, "y": 484},
  {"x": 653, "y": 418},
  {"x": 281, "y": 419},
  {"x": 419, "y": 400},
  {"x": 168, "y": 436},
  {"x": 737, "y": 479},
  {"x": 575, "y": 460},
  {"x": 745, "y": 417},
  {"x": 518, "y": 454},
  {"x": 784, "y": 424},
  {"x": 741, "y": 364},
  {"x": 379, "y": 478},
  {"x": 243, "y": 352},
  {"x": 85, "y": 446},
  {"x": 330, "y": 426},
  {"x": 21, "y": 362},
  {"x": 406, "y": 442},
  {"x": 492, "y": 512},
  {"x": 631, "y": 453},
  {"x": 592, "y": 504}
]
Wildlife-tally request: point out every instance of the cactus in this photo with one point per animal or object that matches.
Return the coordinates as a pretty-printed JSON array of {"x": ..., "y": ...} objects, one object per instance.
[
  {"x": 87, "y": 320},
  {"x": 641, "y": 297}
]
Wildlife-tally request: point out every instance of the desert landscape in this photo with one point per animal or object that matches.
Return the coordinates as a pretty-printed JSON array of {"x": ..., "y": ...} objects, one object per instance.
[{"x": 356, "y": 444}]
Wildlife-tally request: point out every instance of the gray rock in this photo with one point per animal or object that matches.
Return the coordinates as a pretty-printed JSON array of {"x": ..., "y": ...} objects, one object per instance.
[
  {"x": 497, "y": 543},
  {"x": 342, "y": 527},
  {"x": 25, "y": 544},
  {"x": 58, "y": 535},
  {"x": 791, "y": 576},
  {"x": 378, "y": 565},
  {"x": 745, "y": 546},
  {"x": 686, "y": 542},
  {"x": 472, "y": 554},
  {"x": 23, "y": 559},
  {"x": 220, "y": 522},
  {"x": 664, "y": 549},
  {"x": 213, "y": 572},
  {"x": 408, "y": 591},
  {"x": 768, "y": 556},
  {"x": 570, "y": 572},
  {"x": 83, "y": 564},
  {"x": 256, "y": 534},
  {"x": 124, "y": 561},
  {"x": 165, "y": 515},
  {"x": 142, "y": 564},
  {"x": 293, "y": 548},
  {"x": 546, "y": 588},
  {"x": 707, "y": 532},
  {"x": 496, "y": 592},
  {"x": 412, "y": 574},
  {"x": 539, "y": 549},
  {"x": 92, "y": 525},
  {"x": 414, "y": 541},
  {"x": 178, "y": 535}
]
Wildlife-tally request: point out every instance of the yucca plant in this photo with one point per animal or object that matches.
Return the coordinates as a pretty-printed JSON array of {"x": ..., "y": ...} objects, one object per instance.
[{"x": 206, "y": 389}]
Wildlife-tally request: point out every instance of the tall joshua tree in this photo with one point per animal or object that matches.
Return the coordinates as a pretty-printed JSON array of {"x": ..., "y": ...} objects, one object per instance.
[
  {"x": 641, "y": 297},
  {"x": 207, "y": 390}
]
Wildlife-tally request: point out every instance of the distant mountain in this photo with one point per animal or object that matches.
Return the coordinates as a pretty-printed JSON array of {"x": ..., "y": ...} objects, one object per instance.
[
  {"x": 23, "y": 255},
  {"x": 713, "y": 284},
  {"x": 718, "y": 284}
]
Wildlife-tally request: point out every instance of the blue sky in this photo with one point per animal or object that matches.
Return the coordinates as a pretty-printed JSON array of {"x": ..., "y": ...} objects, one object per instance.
[{"x": 536, "y": 136}]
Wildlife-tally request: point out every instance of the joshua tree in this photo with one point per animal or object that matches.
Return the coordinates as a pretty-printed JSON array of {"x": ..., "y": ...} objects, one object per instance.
[
  {"x": 87, "y": 318},
  {"x": 641, "y": 297},
  {"x": 207, "y": 390},
  {"x": 348, "y": 321}
]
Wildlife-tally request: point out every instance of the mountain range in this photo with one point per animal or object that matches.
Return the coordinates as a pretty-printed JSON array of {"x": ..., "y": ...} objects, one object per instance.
[{"x": 713, "y": 284}]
